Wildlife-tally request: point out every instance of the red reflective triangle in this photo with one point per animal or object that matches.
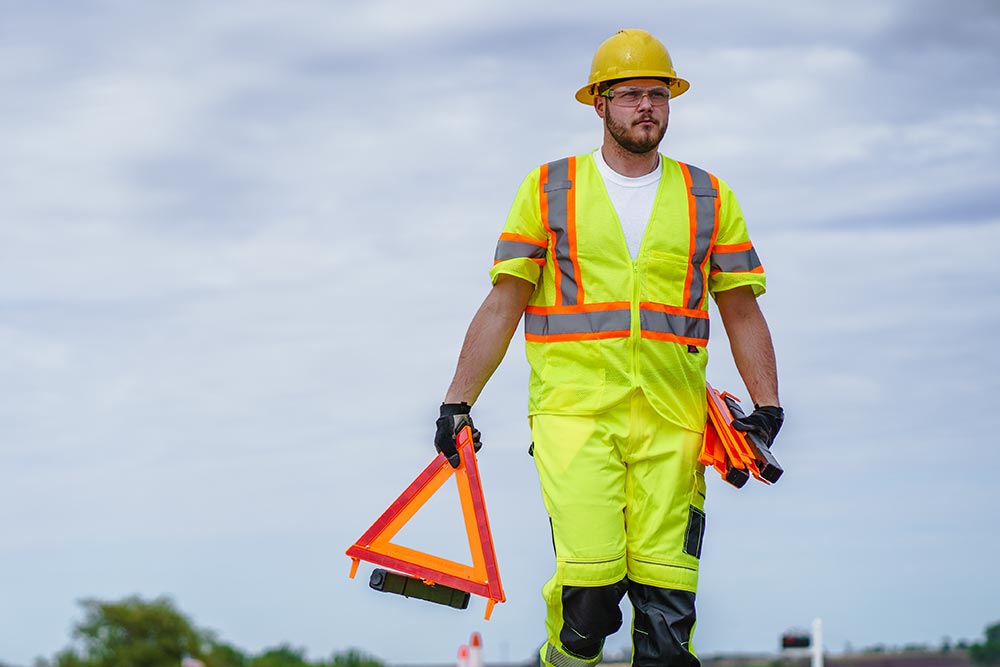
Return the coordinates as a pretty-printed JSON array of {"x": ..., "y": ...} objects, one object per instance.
[{"x": 483, "y": 576}]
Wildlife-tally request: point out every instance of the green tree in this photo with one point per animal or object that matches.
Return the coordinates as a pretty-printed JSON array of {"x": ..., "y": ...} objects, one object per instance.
[
  {"x": 352, "y": 658},
  {"x": 138, "y": 633},
  {"x": 280, "y": 656},
  {"x": 987, "y": 652},
  {"x": 221, "y": 654},
  {"x": 132, "y": 632}
]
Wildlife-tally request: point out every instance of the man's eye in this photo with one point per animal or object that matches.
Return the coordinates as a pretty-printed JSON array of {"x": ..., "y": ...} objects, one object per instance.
[{"x": 631, "y": 96}]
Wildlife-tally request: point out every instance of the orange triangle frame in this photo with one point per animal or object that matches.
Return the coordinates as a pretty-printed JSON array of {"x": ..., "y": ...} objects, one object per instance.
[{"x": 483, "y": 577}]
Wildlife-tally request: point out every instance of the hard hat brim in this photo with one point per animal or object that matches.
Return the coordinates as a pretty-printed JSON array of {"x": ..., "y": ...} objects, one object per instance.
[{"x": 677, "y": 86}]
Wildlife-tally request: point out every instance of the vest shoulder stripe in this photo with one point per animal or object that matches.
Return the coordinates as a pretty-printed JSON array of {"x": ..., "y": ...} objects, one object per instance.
[
  {"x": 514, "y": 246},
  {"x": 557, "y": 200},
  {"x": 740, "y": 261},
  {"x": 703, "y": 210}
]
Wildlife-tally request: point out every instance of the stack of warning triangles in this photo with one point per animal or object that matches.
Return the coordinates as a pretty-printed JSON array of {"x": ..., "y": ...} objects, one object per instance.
[{"x": 734, "y": 454}]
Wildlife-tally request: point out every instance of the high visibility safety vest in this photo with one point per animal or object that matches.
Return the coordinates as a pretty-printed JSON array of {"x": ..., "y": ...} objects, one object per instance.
[{"x": 600, "y": 324}]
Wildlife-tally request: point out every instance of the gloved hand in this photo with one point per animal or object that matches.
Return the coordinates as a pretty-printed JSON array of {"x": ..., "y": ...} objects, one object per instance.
[
  {"x": 454, "y": 417},
  {"x": 765, "y": 421}
]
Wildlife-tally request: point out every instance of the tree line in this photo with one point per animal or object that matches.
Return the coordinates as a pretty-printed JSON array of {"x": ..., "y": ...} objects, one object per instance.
[{"x": 135, "y": 632}]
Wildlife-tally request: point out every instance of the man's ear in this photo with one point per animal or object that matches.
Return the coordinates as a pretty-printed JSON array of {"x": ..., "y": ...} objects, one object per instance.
[{"x": 599, "y": 103}]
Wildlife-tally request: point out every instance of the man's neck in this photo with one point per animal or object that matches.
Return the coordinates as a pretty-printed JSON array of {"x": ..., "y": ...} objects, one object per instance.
[{"x": 627, "y": 163}]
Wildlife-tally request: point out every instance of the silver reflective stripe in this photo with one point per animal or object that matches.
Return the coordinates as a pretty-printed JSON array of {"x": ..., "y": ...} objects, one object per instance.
[
  {"x": 704, "y": 201},
  {"x": 558, "y": 189},
  {"x": 671, "y": 323},
  {"x": 556, "y": 658},
  {"x": 598, "y": 321},
  {"x": 517, "y": 249},
  {"x": 735, "y": 262}
]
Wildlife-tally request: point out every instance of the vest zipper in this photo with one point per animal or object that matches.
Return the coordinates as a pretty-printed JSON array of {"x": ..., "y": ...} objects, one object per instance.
[{"x": 636, "y": 333}]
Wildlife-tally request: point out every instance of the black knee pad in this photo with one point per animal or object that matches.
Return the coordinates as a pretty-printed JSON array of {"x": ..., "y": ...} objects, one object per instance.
[
  {"x": 662, "y": 625},
  {"x": 590, "y": 613}
]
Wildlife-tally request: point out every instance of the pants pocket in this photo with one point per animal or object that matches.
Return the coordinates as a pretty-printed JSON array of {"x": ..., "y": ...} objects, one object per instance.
[{"x": 695, "y": 532}]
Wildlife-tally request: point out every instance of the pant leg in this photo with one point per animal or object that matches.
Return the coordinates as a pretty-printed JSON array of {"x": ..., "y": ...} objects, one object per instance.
[
  {"x": 665, "y": 515},
  {"x": 582, "y": 477},
  {"x": 665, "y": 500},
  {"x": 662, "y": 626}
]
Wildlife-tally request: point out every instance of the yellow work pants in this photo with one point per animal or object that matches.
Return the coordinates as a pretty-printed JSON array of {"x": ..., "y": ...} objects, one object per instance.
[{"x": 626, "y": 496}]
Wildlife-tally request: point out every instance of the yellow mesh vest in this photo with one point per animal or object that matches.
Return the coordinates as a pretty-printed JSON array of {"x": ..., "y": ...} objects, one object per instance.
[{"x": 599, "y": 324}]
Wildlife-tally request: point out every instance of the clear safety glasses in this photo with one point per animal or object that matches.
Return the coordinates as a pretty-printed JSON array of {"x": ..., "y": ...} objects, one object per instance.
[{"x": 632, "y": 97}]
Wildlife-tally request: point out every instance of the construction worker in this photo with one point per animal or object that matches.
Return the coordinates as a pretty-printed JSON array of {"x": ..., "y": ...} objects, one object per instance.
[{"x": 611, "y": 256}]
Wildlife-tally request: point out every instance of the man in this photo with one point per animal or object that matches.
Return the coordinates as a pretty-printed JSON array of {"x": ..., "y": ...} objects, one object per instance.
[{"x": 611, "y": 257}]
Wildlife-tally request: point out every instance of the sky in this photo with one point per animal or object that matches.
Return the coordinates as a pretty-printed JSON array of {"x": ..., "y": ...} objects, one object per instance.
[{"x": 240, "y": 243}]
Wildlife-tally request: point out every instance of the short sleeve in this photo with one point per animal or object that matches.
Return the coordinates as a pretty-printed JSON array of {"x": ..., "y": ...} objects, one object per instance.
[
  {"x": 734, "y": 261},
  {"x": 524, "y": 242}
]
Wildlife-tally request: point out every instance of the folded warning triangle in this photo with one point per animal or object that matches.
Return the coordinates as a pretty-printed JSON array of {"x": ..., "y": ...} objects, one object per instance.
[
  {"x": 483, "y": 576},
  {"x": 736, "y": 455}
]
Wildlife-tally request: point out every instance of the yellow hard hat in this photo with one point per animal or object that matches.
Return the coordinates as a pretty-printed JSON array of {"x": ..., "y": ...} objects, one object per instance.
[{"x": 631, "y": 54}]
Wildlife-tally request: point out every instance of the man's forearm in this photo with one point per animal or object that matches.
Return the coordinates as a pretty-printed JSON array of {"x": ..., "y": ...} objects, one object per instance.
[
  {"x": 754, "y": 356},
  {"x": 488, "y": 337},
  {"x": 750, "y": 340}
]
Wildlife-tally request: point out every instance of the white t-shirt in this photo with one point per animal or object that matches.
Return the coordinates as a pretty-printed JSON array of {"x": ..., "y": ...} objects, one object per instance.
[{"x": 632, "y": 199}]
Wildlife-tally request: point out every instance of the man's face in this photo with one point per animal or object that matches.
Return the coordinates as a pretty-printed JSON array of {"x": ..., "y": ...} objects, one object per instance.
[{"x": 637, "y": 129}]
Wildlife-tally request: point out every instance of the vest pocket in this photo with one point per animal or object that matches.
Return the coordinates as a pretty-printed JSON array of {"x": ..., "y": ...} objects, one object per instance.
[
  {"x": 665, "y": 277},
  {"x": 695, "y": 533}
]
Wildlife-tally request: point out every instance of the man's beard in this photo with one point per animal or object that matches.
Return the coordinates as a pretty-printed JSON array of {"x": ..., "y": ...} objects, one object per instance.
[{"x": 644, "y": 144}]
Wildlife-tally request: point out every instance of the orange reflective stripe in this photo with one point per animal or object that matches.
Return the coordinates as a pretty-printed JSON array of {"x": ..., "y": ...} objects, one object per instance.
[
  {"x": 758, "y": 269},
  {"x": 674, "y": 310},
  {"x": 562, "y": 338},
  {"x": 581, "y": 308},
  {"x": 692, "y": 228},
  {"x": 540, "y": 261},
  {"x": 521, "y": 238},
  {"x": 732, "y": 247},
  {"x": 673, "y": 338},
  {"x": 543, "y": 203},
  {"x": 715, "y": 235},
  {"x": 571, "y": 229}
]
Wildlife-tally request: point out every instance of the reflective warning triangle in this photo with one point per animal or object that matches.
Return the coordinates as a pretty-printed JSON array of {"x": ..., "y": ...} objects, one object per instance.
[{"x": 376, "y": 546}]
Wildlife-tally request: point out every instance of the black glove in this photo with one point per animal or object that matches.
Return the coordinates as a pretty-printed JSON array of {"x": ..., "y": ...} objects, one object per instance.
[
  {"x": 454, "y": 417},
  {"x": 765, "y": 421}
]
